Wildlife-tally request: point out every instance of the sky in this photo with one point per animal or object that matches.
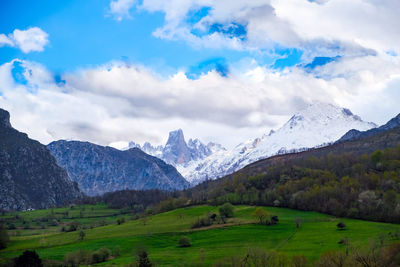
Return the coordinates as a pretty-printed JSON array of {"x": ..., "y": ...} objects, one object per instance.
[{"x": 114, "y": 71}]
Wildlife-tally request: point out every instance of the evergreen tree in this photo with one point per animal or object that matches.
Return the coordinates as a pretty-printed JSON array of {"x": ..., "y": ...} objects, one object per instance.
[{"x": 144, "y": 260}]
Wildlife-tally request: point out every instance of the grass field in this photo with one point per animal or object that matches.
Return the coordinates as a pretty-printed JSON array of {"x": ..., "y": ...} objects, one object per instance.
[{"x": 160, "y": 234}]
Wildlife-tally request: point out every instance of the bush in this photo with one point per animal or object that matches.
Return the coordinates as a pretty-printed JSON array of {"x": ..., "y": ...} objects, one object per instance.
[
  {"x": 76, "y": 258},
  {"x": 82, "y": 257},
  {"x": 184, "y": 242},
  {"x": 226, "y": 210},
  {"x": 274, "y": 220},
  {"x": 120, "y": 220},
  {"x": 96, "y": 257},
  {"x": 202, "y": 222},
  {"x": 341, "y": 226},
  {"x": 104, "y": 253},
  {"x": 73, "y": 226}
]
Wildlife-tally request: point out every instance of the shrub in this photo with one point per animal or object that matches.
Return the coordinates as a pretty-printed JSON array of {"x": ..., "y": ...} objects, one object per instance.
[
  {"x": 226, "y": 210},
  {"x": 341, "y": 226},
  {"x": 274, "y": 220},
  {"x": 76, "y": 258},
  {"x": 213, "y": 216},
  {"x": 120, "y": 220},
  {"x": 184, "y": 242},
  {"x": 82, "y": 257},
  {"x": 104, "y": 253},
  {"x": 202, "y": 222},
  {"x": 96, "y": 257},
  {"x": 73, "y": 226}
]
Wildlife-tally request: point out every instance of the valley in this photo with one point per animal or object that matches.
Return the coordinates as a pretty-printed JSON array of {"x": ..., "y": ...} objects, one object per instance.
[{"x": 160, "y": 234}]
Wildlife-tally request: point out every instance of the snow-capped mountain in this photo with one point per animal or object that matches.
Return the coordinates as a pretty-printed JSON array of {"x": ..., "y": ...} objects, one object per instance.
[
  {"x": 319, "y": 124},
  {"x": 177, "y": 152}
]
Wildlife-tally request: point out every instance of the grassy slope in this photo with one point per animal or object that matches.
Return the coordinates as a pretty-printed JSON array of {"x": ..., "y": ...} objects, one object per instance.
[{"x": 160, "y": 234}]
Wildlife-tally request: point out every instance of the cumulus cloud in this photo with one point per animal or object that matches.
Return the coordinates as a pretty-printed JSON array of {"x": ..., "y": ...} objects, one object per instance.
[
  {"x": 120, "y": 8},
  {"x": 29, "y": 40},
  {"x": 122, "y": 102},
  {"x": 320, "y": 27}
]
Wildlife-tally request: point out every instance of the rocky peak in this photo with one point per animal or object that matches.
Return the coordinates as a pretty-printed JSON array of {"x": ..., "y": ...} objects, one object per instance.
[
  {"x": 133, "y": 144},
  {"x": 198, "y": 149},
  {"x": 5, "y": 118},
  {"x": 176, "y": 150}
]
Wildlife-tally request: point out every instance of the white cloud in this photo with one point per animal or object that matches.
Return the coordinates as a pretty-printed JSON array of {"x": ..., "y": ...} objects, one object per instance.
[
  {"x": 120, "y": 8},
  {"x": 118, "y": 102},
  {"x": 29, "y": 40},
  {"x": 4, "y": 40},
  {"x": 327, "y": 28}
]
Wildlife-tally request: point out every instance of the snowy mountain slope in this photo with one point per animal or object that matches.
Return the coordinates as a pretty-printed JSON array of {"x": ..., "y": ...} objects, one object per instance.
[{"x": 317, "y": 125}]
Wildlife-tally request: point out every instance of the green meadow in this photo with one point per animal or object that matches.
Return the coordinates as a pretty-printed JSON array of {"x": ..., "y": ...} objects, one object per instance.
[{"x": 160, "y": 233}]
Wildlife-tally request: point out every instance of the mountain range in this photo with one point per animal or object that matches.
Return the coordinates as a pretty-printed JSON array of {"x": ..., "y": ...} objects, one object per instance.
[
  {"x": 33, "y": 176},
  {"x": 319, "y": 124},
  {"x": 29, "y": 175},
  {"x": 98, "y": 169}
]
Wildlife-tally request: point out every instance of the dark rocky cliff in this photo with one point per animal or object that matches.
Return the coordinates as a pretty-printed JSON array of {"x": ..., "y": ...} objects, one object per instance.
[{"x": 29, "y": 174}]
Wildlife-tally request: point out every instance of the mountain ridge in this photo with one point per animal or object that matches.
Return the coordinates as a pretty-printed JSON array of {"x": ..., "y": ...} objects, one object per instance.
[
  {"x": 354, "y": 134},
  {"x": 99, "y": 169},
  {"x": 317, "y": 125}
]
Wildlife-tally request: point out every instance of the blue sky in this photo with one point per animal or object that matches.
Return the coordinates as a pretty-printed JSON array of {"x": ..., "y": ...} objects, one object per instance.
[
  {"x": 112, "y": 71},
  {"x": 82, "y": 34}
]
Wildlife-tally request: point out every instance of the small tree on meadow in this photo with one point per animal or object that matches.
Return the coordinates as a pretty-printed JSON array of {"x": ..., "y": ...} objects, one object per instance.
[
  {"x": 81, "y": 235},
  {"x": 261, "y": 214},
  {"x": 143, "y": 259},
  {"x": 226, "y": 210}
]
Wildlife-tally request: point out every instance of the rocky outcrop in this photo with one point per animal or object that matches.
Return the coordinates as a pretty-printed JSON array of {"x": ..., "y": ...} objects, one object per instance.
[{"x": 29, "y": 174}]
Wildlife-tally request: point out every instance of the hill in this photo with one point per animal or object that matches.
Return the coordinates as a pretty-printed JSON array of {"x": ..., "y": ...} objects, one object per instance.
[
  {"x": 29, "y": 174},
  {"x": 354, "y": 178}
]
